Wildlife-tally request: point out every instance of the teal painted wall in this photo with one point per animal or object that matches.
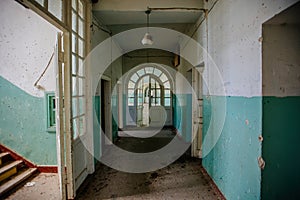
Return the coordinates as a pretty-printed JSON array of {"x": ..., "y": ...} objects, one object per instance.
[
  {"x": 281, "y": 132},
  {"x": 232, "y": 163},
  {"x": 23, "y": 125}
]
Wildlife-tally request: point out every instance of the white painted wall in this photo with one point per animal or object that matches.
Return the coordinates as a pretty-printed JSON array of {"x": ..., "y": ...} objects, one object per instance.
[
  {"x": 26, "y": 44},
  {"x": 281, "y": 68},
  {"x": 234, "y": 32}
]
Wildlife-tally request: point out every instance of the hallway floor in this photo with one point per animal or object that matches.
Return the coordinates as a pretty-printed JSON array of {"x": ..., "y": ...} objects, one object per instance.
[{"x": 182, "y": 179}]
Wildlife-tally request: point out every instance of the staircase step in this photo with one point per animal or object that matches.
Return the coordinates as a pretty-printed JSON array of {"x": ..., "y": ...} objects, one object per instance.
[
  {"x": 9, "y": 169},
  {"x": 16, "y": 180},
  {"x": 2, "y": 155}
]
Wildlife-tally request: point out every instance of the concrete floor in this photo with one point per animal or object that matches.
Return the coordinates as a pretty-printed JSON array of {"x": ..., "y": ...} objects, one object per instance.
[
  {"x": 45, "y": 187},
  {"x": 182, "y": 179}
]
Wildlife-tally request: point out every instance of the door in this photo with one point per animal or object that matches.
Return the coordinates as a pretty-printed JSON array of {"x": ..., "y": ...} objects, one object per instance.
[
  {"x": 60, "y": 132},
  {"x": 197, "y": 117}
]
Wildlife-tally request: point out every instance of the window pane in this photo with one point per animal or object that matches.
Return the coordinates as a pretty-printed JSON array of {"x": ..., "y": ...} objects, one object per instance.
[
  {"x": 130, "y": 101},
  {"x": 80, "y": 47},
  {"x": 80, "y": 9},
  {"x": 41, "y": 2},
  {"x": 167, "y": 93},
  {"x": 80, "y": 86},
  {"x": 81, "y": 125},
  {"x": 157, "y": 72},
  {"x": 74, "y": 84},
  {"x": 141, "y": 72},
  {"x": 80, "y": 68},
  {"x": 149, "y": 70},
  {"x": 74, "y": 3},
  {"x": 74, "y": 43},
  {"x": 80, "y": 27},
  {"x": 55, "y": 7},
  {"x": 167, "y": 85},
  {"x": 81, "y": 106},
  {"x": 131, "y": 85},
  {"x": 130, "y": 93},
  {"x": 74, "y": 65},
  {"x": 75, "y": 130},
  {"x": 74, "y": 107},
  {"x": 157, "y": 93},
  {"x": 74, "y": 21},
  {"x": 163, "y": 78},
  {"x": 134, "y": 78},
  {"x": 167, "y": 101}
]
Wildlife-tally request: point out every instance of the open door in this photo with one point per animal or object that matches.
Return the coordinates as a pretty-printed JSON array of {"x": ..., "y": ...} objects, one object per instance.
[
  {"x": 197, "y": 111},
  {"x": 60, "y": 132}
]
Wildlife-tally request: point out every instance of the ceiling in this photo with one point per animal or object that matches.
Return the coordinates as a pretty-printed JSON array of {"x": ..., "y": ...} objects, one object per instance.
[{"x": 120, "y": 12}]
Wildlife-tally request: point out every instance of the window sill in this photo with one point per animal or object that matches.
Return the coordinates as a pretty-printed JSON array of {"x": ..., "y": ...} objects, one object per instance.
[{"x": 51, "y": 129}]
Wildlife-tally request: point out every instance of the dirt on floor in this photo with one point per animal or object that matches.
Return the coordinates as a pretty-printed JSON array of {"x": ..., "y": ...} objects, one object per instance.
[
  {"x": 43, "y": 186},
  {"x": 180, "y": 180}
]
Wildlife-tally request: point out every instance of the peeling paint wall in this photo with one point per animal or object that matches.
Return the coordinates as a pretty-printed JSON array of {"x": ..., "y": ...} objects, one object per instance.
[
  {"x": 26, "y": 45},
  {"x": 232, "y": 35}
]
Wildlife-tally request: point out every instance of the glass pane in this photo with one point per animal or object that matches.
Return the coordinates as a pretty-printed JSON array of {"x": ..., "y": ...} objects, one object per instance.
[
  {"x": 55, "y": 7},
  {"x": 81, "y": 106},
  {"x": 74, "y": 2},
  {"x": 80, "y": 47},
  {"x": 131, "y": 84},
  {"x": 130, "y": 101},
  {"x": 167, "y": 93},
  {"x": 74, "y": 107},
  {"x": 157, "y": 101},
  {"x": 157, "y": 72},
  {"x": 149, "y": 70},
  {"x": 80, "y": 27},
  {"x": 130, "y": 93},
  {"x": 167, "y": 85},
  {"x": 41, "y": 2},
  {"x": 157, "y": 93},
  {"x": 75, "y": 130},
  {"x": 134, "y": 77},
  {"x": 74, "y": 65},
  {"x": 80, "y": 68},
  {"x": 74, "y": 43},
  {"x": 74, "y": 21},
  {"x": 81, "y": 126},
  {"x": 80, "y": 86},
  {"x": 167, "y": 101},
  {"x": 74, "y": 86},
  {"x": 80, "y": 9},
  {"x": 163, "y": 78},
  {"x": 141, "y": 72}
]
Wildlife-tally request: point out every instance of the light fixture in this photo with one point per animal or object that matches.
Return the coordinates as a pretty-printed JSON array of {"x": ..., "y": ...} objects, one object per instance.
[{"x": 147, "y": 39}]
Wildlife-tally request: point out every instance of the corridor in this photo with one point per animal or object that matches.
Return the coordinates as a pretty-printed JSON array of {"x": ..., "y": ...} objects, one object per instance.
[{"x": 183, "y": 179}]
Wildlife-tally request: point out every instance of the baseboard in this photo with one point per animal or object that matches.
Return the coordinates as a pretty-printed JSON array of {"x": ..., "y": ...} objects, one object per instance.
[
  {"x": 41, "y": 168},
  {"x": 47, "y": 169},
  {"x": 212, "y": 184}
]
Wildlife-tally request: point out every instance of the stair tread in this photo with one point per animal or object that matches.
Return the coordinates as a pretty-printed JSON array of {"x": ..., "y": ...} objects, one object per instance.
[
  {"x": 16, "y": 180},
  {"x": 9, "y": 166},
  {"x": 3, "y": 154}
]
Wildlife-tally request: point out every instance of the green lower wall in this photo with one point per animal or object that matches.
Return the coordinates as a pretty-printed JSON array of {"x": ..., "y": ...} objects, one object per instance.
[
  {"x": 232, "y": 163},
  {"x": 96, "y": 128},
  {"x": 23, "y": 125},
  {"x": 281, "y": 147}
]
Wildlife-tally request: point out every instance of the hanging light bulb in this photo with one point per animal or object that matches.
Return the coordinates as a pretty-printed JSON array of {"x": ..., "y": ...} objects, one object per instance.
[{"x": 147, "y": 39}]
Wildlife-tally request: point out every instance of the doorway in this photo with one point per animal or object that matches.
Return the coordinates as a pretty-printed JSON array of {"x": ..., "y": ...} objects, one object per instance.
[
  {"x": 106, "y": 115},
  {"x": 281, "y": 105}
]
